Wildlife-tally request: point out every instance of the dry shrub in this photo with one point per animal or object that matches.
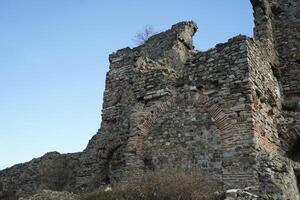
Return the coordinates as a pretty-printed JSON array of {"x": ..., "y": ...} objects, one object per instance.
[
  {"x": 101, "y": 195},
  {"x": 142, "y": 36},
  {"x": 161, "y": 185},
  {"x": 54, "y": 173},
  {"x": 51, "y": 195}
]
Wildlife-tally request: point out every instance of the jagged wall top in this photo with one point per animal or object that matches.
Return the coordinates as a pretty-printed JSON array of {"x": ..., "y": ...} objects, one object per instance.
[
  {"x": 173, "y": 47},
  {"x": 219, "y": 113}
]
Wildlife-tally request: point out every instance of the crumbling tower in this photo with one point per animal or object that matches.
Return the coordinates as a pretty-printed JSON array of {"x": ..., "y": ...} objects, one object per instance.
[
  {"x": 231, "y": 111},
  {"x": 277, "y": 27}
]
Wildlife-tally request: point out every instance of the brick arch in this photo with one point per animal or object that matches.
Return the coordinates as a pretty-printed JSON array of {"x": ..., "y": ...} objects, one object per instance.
[
  {"x": 220, "y": 116},
  {"x": 231, "y": 146},
  {"x": 107, "y": 157},
  {"x": 147, "y": 119},
  {"x": 142, "y": 122}
]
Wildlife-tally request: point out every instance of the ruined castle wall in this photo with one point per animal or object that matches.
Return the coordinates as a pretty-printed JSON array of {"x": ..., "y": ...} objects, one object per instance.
[
  {"x": 199, "y": 116},
  {"x": 276, "y": 175},
  {"x": 109, "y": 142},
  {"x": 277, "y": 25},
  {"x": 137, "y": 78},
  {"x": 265, "y": 97},
  {"x": 277, "y": 21},
  {"x": 264, "y": 27},
  {"x": 231, "y": 111},
  {"x": 287, "y": 43},
  {"x": 184, "y": 135},
  {"x": 223, "y": 75}
]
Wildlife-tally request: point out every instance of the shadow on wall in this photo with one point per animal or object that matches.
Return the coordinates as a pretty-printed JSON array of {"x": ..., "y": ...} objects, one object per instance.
[
  {"x": 297, "y": 174},
  {"x": 294, "y": 152}
]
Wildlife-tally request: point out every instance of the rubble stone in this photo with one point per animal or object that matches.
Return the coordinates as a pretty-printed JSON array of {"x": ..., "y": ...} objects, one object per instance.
[{"x": 231, "y": 111}]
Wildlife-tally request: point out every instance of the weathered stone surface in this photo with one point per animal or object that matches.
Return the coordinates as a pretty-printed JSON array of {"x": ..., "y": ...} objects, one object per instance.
[
  {"x": 240, "y": 194},
  {"x": 52, "y": 195},
  {"x": 52, "y": 171},
  {"x": 232, "y": 111}
]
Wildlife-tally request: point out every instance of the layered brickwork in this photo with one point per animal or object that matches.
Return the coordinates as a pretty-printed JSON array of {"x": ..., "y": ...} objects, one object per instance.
[
  {"x": 232, "y": 111},
  {"x": 281, "y": 25},
  {"x": 277, "y": 26},
  {"x": 196, "y": 116},
  {"x": 275, "y": 173},
  {"x": 222, "y": 74},
  {"x": 265, "y": 98},
  {"x": 136, "y": 78},
  {"x": 264, "y": 27},
  {"x": 287, "y": 43}
]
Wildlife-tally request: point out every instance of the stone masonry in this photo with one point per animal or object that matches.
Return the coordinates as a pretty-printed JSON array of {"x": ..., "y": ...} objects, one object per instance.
[{"x": 231, "y": 111}]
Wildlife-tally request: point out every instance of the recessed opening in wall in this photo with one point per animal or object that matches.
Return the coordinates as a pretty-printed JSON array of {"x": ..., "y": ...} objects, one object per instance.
[
  {"x": 297, "y": 174},
  {"x": 294, "y": 152},
  {"x": 148, "y": 163},
  {"x": 112, "y": 163},
  {"x": 290, "y": 105}
]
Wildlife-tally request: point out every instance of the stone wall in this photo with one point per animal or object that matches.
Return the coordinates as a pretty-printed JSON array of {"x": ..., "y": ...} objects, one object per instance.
[
  {"x": 277, "y": 28},
  {"x": 222, "y": 74},
  {"x": 287, "y": 43},
  {"x": 231, "y": 111}
]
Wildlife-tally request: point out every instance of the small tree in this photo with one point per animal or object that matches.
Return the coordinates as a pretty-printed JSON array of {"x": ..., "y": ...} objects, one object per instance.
[{"x": 142, "y": 36}]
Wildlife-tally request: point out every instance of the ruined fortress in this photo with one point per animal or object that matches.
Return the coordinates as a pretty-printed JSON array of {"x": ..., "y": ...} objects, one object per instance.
[{"x": 232, "y": 111}]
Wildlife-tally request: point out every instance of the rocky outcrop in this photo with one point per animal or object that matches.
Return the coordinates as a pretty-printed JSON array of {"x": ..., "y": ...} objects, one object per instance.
[
  {"x": 231, "y": 111},
  {"x": 52, "y": 171}
]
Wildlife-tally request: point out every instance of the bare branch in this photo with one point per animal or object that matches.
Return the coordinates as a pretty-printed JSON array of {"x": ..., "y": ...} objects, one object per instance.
[{"x": 142, "y": 36}]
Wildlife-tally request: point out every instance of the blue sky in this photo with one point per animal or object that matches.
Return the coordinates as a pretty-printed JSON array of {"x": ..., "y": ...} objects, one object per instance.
[{"x": 54, "y": 58}]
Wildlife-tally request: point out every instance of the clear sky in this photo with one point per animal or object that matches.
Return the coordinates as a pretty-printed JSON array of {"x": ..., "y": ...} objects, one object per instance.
[{"x": 54, "y": 58}]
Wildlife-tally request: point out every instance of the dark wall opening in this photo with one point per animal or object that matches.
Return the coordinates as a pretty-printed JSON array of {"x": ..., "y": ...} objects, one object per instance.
[
  {"x": 113, "y": 162},
  {"x": 294, "y": 152},
  {"x": 297, "y": 174},
  {"x": 148, "y": 163}
]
